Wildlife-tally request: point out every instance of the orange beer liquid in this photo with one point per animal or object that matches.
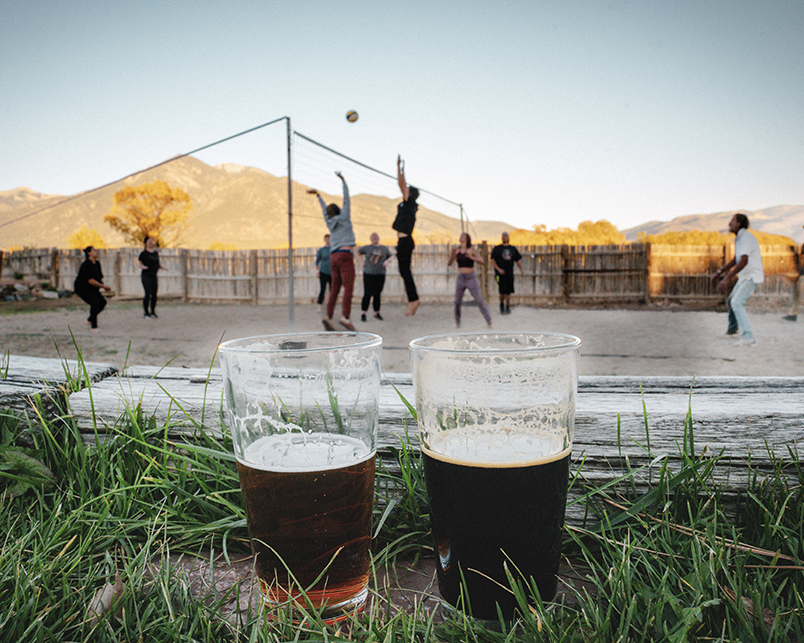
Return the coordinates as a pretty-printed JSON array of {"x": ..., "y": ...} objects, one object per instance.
[{"x": 308, "y": 501}]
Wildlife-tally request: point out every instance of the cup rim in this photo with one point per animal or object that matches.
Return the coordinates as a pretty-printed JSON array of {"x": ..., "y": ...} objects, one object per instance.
[
  {"x": 362, "y": 340},
  {"x": 570, "y": 342}
]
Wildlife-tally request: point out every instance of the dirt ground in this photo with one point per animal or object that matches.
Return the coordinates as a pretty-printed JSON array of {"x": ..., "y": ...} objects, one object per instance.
[{"x": 644, "y": 340}]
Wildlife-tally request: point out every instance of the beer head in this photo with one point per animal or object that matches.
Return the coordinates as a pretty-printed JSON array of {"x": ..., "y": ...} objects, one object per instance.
[
  {"x": 496, "y": 397},
  {"x": 302, "y": 384}
]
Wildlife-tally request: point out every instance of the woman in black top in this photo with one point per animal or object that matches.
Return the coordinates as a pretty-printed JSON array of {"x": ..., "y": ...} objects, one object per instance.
[
  {"x": 403, "y": 224},
  {"x": 149, "y": 262},
  {"x": 89, "y": 283}
]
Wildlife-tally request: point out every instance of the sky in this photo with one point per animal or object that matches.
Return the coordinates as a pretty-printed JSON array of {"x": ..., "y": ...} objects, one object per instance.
[{"x": 530, "y": 112}]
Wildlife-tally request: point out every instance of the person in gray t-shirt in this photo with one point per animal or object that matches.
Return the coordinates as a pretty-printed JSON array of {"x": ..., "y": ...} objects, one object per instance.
[{"x": 375, "y": 259}]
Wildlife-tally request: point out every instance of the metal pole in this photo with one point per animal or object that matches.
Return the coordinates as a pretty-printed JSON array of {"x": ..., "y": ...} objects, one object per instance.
[
  {"x": 290, "y": 235},
  {"x": 463, "y": 229}
]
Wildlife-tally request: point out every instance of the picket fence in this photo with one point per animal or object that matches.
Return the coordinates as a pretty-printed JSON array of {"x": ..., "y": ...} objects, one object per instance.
[{"x": 553, "y": 274}]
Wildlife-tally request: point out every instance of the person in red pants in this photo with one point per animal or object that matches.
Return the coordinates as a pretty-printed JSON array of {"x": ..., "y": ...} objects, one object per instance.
[{"x": 341, "y": 258}]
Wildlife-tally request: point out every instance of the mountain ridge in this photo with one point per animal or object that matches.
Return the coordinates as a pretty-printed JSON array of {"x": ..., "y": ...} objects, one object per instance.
[{"x": 241, "y": 206}]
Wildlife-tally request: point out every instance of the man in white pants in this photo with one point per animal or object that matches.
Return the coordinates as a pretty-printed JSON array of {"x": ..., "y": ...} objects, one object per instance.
[{"x": 747, "y": 265}]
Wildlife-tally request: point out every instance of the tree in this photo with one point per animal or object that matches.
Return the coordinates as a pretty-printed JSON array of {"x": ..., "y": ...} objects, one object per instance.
[
  {"x": 154, "y": 210},
  {"x": 84, "y": 237}
]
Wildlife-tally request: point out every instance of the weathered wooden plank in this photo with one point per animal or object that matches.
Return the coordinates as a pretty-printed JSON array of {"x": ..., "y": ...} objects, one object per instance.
[
  {"x": 622, "y": 423},
  {"x": 24, "y": 378}
]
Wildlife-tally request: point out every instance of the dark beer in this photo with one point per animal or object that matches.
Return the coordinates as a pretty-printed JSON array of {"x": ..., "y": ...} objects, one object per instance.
[
  {"x": 485, "y": 515},
  {"x": 310, "y": 512}
]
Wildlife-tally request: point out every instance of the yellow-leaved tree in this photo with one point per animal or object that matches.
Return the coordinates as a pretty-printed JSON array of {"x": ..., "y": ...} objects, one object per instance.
[
  {"x": 154, "y": 210},
  {"x": 600, "y": 233},
  {"x": 84, "y": 237}
]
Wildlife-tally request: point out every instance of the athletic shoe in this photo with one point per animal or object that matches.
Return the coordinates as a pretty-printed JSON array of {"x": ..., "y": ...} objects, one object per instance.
[
  {"x": 363, "y": 317},
  {"x": 728, "y": 335},
  {"x": 327, "y": 323},
  {"x": 154, "y": 315},
  {"x": 146, "y": 315},
  {"x": 746, "y": 342},
  {"x": 790, "y": 317},
  {"x": 346, "y": 323},
  {"x": 378, "y": 316}
]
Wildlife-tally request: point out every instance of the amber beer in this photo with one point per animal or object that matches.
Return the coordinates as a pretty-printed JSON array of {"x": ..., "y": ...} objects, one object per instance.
[
  {"x": 311, "y": 515},
  {"x": 485, "y": 516}
]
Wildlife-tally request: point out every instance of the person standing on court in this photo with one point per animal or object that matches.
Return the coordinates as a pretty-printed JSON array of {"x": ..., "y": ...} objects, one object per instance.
[
  {"x": 89, "y": 283},
  {"x": 323, "y": 270},
  {"x": 341, "y": 258},
  {"x": 747, "y": 266},
  {"x": 403, "y": 224},
  {"x": 503, "y": 258},
  {"x": 149, "y": 262},
  {"x": 375, "y": 260},
  {"x": 467, "y": 256},
  {"x": 798, "y": 287}
]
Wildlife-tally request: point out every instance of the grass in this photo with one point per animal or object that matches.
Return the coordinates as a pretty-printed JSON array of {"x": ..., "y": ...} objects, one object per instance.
[{"x": 670, "y": 564}]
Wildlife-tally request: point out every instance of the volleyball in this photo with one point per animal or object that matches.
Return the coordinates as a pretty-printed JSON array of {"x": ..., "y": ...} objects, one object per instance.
[{"x": 351, "y": 116}]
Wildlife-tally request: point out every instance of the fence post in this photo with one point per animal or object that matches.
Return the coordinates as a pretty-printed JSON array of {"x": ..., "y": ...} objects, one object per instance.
[
  {"x": 565, "y": 275},
  {"x": 252, "y": 257},
  {"x": 648, "y": 273},
  {"x": 184, "y": 266},
  {"x": 484, "y": 270},
  {"x": 116, "y": 272},
  {"x": 54, "y": 268}
]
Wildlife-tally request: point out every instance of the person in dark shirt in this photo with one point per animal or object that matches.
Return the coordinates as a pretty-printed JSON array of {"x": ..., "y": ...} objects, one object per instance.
[
  {"x": 89, "y": 283},
  {"x": 323, "y": 270},
  {"x": 149, "y": 262},
  {"x": 503, "y": 257},
  {"x": 403, "y": 224}
]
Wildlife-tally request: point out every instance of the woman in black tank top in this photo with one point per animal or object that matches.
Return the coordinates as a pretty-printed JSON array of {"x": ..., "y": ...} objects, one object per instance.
[{"x": 465, "y": 255}]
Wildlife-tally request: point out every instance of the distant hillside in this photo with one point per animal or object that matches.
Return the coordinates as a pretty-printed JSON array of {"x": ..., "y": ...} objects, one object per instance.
[
  {"x": 786, "y": 220},
  {"x": 237, "y": 205}
]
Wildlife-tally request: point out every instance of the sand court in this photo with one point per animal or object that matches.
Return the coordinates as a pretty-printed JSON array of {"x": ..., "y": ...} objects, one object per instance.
[{"x": 625, "y": 341}]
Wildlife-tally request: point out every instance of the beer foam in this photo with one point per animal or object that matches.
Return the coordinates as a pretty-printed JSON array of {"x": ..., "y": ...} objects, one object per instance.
[
  {"x": 493, "y": 446},
  {"x": 305, "y": 452}
]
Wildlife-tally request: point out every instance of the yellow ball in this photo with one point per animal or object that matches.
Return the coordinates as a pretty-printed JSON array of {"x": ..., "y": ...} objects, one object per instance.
[{"x": 351, "y": 116}]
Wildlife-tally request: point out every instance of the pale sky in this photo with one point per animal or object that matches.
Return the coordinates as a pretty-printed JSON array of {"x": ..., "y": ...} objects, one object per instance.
[{"x": 530, "y": 112}]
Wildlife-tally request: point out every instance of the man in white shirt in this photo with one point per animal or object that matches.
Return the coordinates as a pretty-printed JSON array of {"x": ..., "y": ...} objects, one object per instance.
[{"x": 747, "y": 265}]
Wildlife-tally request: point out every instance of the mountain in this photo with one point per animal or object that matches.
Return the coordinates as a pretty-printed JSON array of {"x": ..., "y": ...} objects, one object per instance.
[
  {"x": 786, "y": 220},
  {"x": 242, "y": 206}
]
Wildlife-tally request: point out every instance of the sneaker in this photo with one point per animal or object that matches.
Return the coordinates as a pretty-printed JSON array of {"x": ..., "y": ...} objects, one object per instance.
[
  {"x": 154, "y": 315},
  {"x": 745, "y": 342},
  {"x": 363, "y": 317},
  {"x": 790, "y": 317},
  {"x": 728, "y": 335},
  {"x": 147, "y": 315},
  {"x": 378, "y": 316},
  {"x": 346, "y": 323},
  {"x": 327, "y": 323}
]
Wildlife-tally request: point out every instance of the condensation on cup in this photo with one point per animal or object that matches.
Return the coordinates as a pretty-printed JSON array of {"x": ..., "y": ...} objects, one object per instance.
[
  {"x": 303, "y": 411},
  {"x": 496, "y": 414}
]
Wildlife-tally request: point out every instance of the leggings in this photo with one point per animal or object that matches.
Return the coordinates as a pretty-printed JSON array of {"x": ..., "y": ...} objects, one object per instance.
[
  {"x": 343, "y": 273},
  {"x": 372, "y": 288},
  {"x": 324, "y": 280},
  {"x": 150, "y": 285},
  {"x": 97, "y": 303},
  {"x": 468, "y": 281},
  {"x": 404, "y": 255}
]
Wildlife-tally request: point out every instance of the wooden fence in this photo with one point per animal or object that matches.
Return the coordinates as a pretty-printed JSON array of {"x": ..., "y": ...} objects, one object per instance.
[{"x": 553, "y": 274}]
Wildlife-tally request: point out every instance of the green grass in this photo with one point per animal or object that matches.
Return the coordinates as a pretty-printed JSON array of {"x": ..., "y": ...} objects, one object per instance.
[{"x": 672, "y": 564}]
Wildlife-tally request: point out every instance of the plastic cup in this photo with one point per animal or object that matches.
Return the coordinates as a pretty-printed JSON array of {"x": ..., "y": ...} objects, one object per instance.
[
  {"x": 495, "y": 414},
  {"x": 303, "y": 411}
]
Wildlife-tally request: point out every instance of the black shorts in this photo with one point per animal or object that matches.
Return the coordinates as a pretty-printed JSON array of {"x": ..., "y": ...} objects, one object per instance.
[{"x": 506, "y": 284}]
